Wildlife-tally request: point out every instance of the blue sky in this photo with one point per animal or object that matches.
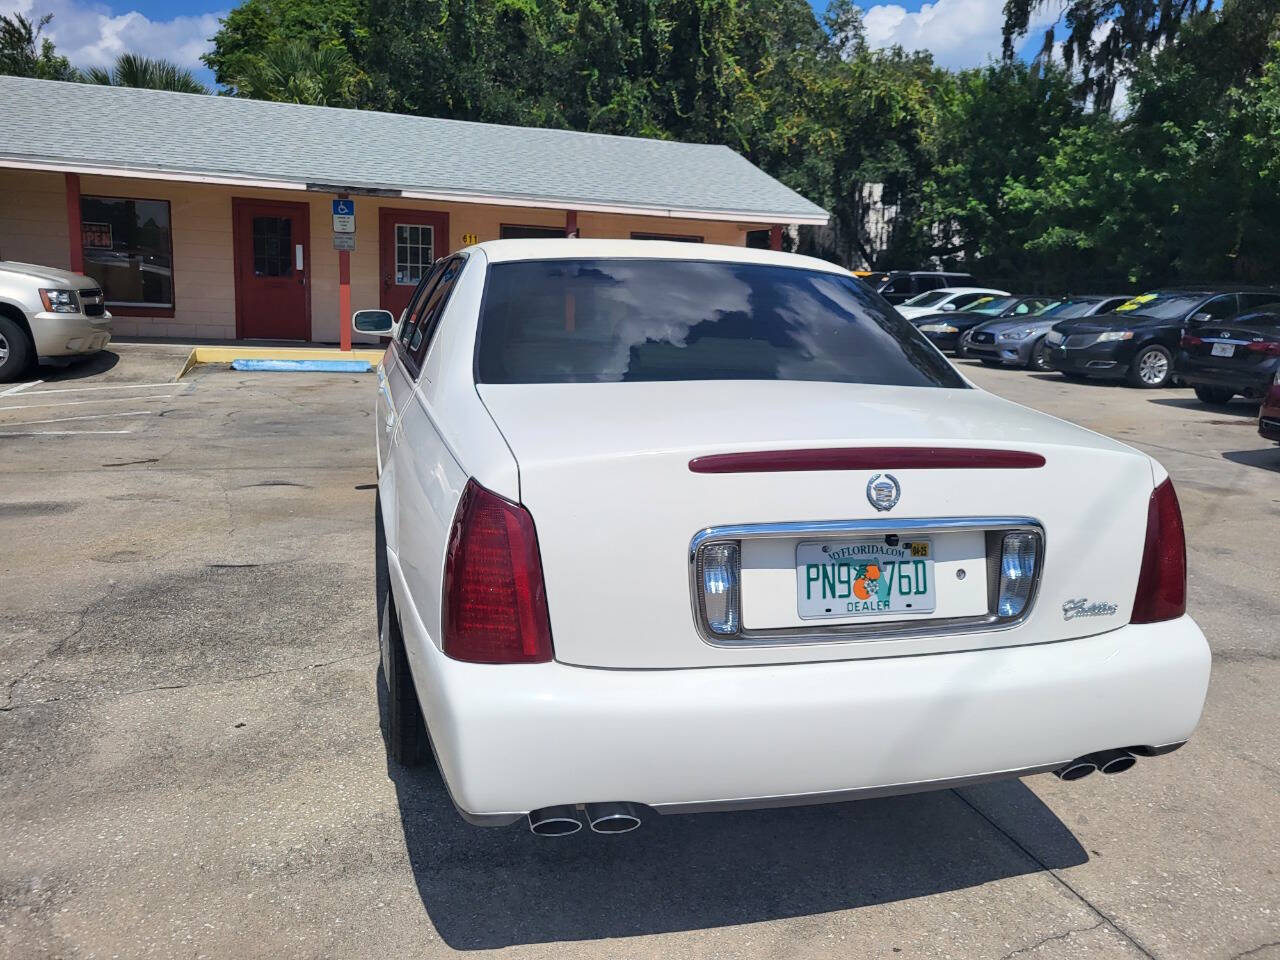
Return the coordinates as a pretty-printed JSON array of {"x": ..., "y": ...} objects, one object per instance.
[{"x": 959, "y": 33}]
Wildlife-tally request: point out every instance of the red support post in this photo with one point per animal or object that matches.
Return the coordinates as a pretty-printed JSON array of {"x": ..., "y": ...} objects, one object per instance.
[
  {"x": 344, "y": 295},
  {"x": 571, "y": 223},
  {"x": 775, "y": 237},
  {"x": 73, "y": 222}
]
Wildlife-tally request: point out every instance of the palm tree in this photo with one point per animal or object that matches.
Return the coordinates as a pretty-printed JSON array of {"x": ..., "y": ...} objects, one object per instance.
[
  {"x": 131, "y": 70},
  {"x": 296, "y": 72}
]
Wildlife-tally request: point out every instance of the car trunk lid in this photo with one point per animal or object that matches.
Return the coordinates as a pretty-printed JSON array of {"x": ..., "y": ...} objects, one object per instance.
[{"x": 605, "y": 472}]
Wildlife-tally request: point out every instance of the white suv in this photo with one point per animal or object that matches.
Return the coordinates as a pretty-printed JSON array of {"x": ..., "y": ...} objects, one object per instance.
[{"x": 47, "y": 313}]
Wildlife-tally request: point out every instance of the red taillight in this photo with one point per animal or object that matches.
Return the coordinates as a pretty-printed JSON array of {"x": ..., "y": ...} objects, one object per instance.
[
  {"x": 1271, "y": 348},
  {"x": 1162, "y": 584},
  {"x": 495, "y": 604},
  {"x": 1190, "y": 340}
]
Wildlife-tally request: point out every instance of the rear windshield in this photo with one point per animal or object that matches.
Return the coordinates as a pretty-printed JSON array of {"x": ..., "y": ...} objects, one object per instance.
[{"x": 598, "y": 321}]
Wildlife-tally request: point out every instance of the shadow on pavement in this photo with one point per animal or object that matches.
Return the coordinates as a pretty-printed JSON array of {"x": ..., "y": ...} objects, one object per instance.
[
  {"x": 1055, "y": 377},
  {"x": 90, "y": 366},
  {"x": 485, "y": 888},
  {"x": 1265, "y": 459},
  {"x": 1246, "y": 409}
]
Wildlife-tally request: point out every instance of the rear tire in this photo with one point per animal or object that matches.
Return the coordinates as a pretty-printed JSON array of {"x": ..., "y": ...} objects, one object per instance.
[
  {"x": 1152, "y": 368},
  {"x": 16, "y": 352},
  {"x": 1214, "y": 396},
  {"x": 403, "y": 728}
]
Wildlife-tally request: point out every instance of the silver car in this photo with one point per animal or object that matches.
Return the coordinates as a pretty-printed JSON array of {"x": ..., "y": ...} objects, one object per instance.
[
  {"x": 47, "y": 313},
  {"x": 1019, "y": 341}
]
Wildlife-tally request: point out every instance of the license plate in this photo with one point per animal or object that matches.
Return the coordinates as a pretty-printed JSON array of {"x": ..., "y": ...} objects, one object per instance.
[
  {"x": 1224, "y": 349},
  {"x": 851, "y": 578}
]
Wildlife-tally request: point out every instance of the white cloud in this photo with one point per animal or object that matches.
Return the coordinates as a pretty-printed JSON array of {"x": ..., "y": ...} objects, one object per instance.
[
  {"x": 90, "y": 35},
  {"x": 959, "y": 33}
]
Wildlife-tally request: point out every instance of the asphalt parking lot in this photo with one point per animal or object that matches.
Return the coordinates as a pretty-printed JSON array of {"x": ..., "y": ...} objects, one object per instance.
[{"x": 191, "y": 763}]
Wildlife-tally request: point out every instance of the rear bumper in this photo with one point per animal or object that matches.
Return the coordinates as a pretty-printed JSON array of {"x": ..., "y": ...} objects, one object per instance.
[
  {"x": 1269, "y": 415},
  {"x": 510, "y": 739},
  {"x": 1252, "y": 383},
  {"x": 69, "y": 334}
]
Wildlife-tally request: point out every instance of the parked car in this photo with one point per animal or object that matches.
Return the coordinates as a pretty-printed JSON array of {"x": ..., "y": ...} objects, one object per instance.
[
  {"x": 1269, "y": 414},
  {"x": 676, "y": 530},
  {"x": 1138, "y": 341},
  {"x": 945, "y": 299},
  {"x": 1240, "y": 356},
  {"x": 1019, "y": 341},
  {"x": 899, "y": 286},
  {"x": 948, "y": 330},
  {"x": 46, "y": 313}
]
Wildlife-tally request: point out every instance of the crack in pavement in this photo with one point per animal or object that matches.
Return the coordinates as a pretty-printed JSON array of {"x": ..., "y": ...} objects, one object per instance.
[
  {"x": 1258, "y": 949},
  {"x": 373, "y": 655},
  {"x": 55, "y": 648},
  {"x": 1058, "y": 877},
  {"x": 1057, "y": 936}
]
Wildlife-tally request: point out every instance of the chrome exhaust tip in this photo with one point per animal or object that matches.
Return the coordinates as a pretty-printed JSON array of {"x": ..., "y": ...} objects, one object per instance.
[
  {"x": 558, "y": 821},
  {"x": 1076, "y": 769},
  {"x": 1114, "y": 761},
  {"x": 613, "y": 817}
]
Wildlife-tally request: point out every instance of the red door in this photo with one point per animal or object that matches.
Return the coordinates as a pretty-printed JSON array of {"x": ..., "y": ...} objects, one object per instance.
[
  {"x": 408, "y": 241},
  {"x": 272, "y": 263}
]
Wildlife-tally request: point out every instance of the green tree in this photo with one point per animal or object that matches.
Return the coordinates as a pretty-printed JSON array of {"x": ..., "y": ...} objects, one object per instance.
[
  {"x": 131, "y": 70},
  {"x": 1182, "y": 188},
  {"x": 296, "y": 72},
  {"x": 1105, "y": 38},
  {"x": 993, "y": 125},
  {"x": 257, "y": 30},
  {"x": 25, "y": 53}
]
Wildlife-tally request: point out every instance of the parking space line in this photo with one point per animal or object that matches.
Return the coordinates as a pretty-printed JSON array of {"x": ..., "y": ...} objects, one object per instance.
[
  {"x": 76, "y": 403},
  {"x": 20, "y": 387},
  {"x": 99, "y": 386},
  {"x": 91, "y": 416}
]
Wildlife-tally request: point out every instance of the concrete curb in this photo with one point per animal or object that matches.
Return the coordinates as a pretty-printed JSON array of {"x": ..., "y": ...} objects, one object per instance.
[
  {"x": 302, "y": 366},
  {"x": 200, "y": 355}
]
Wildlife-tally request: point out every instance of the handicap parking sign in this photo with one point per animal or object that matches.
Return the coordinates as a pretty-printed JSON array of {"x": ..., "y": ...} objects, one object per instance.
[{"x": 344, "y": 216}]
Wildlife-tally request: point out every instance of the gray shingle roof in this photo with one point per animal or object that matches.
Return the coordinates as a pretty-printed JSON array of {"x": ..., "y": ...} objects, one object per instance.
[{"x": 114, "y": 128}]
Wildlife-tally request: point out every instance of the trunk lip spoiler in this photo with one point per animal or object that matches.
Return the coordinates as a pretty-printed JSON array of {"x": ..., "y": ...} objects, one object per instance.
[
  {"x": 855, "y": 632},
  {"x": 867, "y": 458}
]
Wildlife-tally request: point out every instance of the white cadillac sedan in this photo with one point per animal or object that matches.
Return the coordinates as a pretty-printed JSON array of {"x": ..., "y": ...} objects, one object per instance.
[{"x": 668, "y": 527}]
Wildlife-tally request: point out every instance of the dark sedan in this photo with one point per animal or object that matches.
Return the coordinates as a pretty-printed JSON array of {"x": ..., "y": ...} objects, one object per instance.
[
  {"x": 1019, "y": 341},
  {"x": 1240, "y": 356},
  {"x": 1138, "y": 341},
  {"x": 947, "y": 329}
]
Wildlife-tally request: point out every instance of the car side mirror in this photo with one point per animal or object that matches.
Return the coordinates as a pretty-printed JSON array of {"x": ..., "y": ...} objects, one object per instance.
[
  {"x": 948, "y": 307},
  {"x": 1203, "y": 316},
  {"x": 377, "y": 322}
]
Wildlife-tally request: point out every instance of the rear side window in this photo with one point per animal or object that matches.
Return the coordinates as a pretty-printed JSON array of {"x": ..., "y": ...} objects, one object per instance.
[
  {"x": 1261, "y": 320},
  {"x": 598, "y": 321},
  {"x": 435, "y": 304}
]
